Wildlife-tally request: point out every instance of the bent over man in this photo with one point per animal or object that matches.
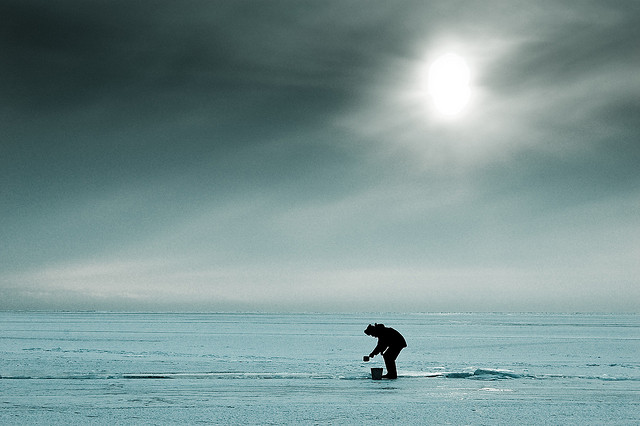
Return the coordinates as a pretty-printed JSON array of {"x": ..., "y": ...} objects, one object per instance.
[{"x": 390, "y": 343}]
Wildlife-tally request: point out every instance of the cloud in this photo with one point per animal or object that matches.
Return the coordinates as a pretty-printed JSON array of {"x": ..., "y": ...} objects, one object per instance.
[
  {"x": 153, "y": 285},
  {"x": 243, "y": 154}
]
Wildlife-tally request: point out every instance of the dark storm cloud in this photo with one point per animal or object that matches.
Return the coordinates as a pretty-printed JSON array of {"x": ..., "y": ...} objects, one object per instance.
[
  {"x": 54, "y": 53},
  {"x": 104, "y": 99},
  {"x": 138, "y": 86}
]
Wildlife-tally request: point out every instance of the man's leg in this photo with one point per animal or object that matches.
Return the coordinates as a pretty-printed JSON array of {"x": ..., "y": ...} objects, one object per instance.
[{"x": 390, "y": 356}]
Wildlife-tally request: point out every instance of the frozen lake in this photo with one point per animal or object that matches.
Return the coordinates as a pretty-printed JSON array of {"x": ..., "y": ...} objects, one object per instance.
[{"x": 145, "y": 368}]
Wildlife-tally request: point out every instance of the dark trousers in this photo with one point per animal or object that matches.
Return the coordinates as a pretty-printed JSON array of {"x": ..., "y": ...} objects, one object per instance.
[{"x": 390, "y": 356}]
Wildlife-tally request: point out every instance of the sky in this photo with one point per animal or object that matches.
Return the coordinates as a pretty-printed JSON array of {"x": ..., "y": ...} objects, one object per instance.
[{"x": 290, "y": 156}]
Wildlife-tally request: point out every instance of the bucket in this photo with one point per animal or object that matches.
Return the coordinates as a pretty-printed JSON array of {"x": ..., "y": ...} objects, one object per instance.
[{"x": 376, "y": 373}]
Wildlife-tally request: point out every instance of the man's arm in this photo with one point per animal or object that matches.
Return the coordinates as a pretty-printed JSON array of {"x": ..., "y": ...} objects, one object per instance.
[{"x": 379, "y": 348}]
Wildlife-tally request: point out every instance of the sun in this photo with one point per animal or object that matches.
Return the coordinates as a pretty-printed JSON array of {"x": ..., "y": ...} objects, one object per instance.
[{"x": 449, "y": 84}]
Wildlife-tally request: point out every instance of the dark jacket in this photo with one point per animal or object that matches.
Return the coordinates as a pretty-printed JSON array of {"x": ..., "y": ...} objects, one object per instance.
[{"x": 387, "y": 338}]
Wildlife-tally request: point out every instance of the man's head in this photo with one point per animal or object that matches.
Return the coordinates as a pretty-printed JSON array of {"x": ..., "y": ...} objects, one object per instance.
[{"x": 372, "y": 330}]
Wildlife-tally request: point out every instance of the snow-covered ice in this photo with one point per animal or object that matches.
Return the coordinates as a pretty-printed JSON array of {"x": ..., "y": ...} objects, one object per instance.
[{"x": 164, "y": 368}]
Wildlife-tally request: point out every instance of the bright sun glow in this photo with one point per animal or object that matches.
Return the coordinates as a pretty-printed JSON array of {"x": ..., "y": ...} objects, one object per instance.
[{"x": 448, "y": 84}]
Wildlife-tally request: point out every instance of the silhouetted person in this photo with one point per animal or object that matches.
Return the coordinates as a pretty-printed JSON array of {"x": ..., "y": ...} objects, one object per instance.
[{"x": 390, "y": 343}]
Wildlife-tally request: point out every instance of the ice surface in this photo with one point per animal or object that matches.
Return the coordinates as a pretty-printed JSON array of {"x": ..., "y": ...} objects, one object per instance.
[{"x": 140, "y": 368}]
